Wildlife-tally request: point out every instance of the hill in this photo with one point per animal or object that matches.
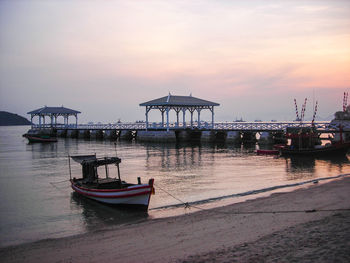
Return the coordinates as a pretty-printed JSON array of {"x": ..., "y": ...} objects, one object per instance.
[{"x": 8, "y": 119}]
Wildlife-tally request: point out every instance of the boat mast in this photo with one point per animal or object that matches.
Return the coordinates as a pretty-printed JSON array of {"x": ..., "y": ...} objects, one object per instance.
[
  {"x": 70, "y": 170},
  {"x": 106, "y": 167},
  {"x": 120, "y": 181}
]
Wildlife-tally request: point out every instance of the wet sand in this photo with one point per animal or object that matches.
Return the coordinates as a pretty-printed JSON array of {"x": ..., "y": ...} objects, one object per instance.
[{"x": 307, "y": 225}]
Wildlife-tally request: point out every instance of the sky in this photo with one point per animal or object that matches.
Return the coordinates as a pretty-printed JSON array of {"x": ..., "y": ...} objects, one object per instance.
[{"x": 104, "y": 58}]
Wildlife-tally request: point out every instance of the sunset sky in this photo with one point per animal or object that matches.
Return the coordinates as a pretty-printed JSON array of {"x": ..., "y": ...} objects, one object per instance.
[{"x": 104, "y": 58}]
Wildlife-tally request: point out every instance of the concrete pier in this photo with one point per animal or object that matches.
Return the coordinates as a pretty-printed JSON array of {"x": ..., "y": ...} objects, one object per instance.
[
  {"x": 194, "y": 135},
  {"x": 110, "y": 134},
  {"x": 266, "y": 138},
  {"x": 156, "y": 136},
  {"x": 249, "y": 137},
  {"x": 220, "y": 136},
  {"x": 236, "y": 132},
  {"x": 182, "y": 136},
  {"x": 208, "y": 136},
  {"x": 72, "y": 133},
  {"x": 127, "y": 135},
  {"x": 96, "y": 134},
  {"x": 62, "y": 133},
  {"x": 189, "y": 135},
  {"x": 233, "y": 137},
  {"x": 84, "y": 134}
]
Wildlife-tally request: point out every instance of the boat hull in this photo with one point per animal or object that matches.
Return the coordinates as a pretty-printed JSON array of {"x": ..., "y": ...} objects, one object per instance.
[
  {"x": 340, "y": 150},
  {"x": 33, "y": 139},
  {"x": 137, "y": 195}
]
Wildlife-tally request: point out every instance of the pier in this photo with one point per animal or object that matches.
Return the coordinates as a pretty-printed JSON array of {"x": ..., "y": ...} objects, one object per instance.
[
  {"x": 166, "y": 131},
  {"x": 220, "y": 131},
  {"x": 322, "y": 126}
]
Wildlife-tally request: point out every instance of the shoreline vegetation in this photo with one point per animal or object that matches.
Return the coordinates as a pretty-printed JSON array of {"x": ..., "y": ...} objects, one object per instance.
[{"x": 309, "y": 224}]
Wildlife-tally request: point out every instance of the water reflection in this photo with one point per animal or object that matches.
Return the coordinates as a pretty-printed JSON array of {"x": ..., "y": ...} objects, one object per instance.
[
  {"x": 303, "y": 167},
  {"x": 190, "y": 172},
  {"x": 96, "y": 215},
  {"x": 41, "y": 150},
  {"x": 172, "y": 157},
  {"x": 300, "y": 167},
  {"x": 297, "y": 164}
]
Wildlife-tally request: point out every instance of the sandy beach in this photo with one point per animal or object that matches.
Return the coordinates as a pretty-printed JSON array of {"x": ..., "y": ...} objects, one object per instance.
[{"x": 311, "y": 224}]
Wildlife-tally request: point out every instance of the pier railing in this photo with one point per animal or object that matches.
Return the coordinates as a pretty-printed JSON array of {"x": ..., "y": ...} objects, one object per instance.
[
  {"x": 322, "y": 126},
  {"x": 271, "y": 126}
]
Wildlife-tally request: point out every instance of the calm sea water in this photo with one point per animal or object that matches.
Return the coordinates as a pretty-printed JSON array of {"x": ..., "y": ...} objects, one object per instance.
[{"x": 37, "y": 201}]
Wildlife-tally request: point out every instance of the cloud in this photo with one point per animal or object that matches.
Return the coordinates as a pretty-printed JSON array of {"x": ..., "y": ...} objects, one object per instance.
[{"x": 107, "y": 57}]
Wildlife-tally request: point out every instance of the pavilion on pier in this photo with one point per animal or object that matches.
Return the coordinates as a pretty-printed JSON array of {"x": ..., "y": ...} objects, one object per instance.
[
  {"x": 179, "y": 104},
  {"x": 53, "y": 113}
]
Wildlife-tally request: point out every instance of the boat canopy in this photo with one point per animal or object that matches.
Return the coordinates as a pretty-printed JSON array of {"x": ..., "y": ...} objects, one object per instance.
[
  {"x": 81, "y": 158},
  {"x": 93, "y": 161},
  {"x": 102, "y": 161},
  {"x": 90, "y": 163}
]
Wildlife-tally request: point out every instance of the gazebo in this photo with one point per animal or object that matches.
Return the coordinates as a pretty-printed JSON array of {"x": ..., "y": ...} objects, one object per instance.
[
  {"x": 178, "y": 104},
  {"x": 53, "y": 113}
]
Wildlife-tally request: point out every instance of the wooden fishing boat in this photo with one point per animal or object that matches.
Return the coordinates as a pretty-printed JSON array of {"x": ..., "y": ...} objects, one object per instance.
[
  {"x": 33, "y": 138},
  {"x": 108, "y": 190},
  {"x": 327, "y": 150},
  {"x": 305, "y": 142}
]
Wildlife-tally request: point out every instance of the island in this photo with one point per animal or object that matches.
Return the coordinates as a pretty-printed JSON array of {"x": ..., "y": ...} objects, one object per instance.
[{"x": 9, "y": 119}]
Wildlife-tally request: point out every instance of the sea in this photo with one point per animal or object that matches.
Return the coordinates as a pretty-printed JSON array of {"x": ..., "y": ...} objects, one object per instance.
[{"x": 36, "y": 201}]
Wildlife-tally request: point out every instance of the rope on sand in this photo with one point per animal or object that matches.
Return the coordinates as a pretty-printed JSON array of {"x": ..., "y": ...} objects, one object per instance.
[
  {"x": 277, "y": 211},
  {"x": 192, "y": 204}
]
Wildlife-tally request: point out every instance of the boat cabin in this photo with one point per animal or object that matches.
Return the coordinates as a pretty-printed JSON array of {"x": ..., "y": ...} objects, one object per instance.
[
  {"x": 302, "y": 137},
  {"x": 90, "y": 164}
]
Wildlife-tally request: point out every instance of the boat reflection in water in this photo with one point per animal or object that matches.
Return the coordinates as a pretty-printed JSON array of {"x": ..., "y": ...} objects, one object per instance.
[
  {"x": 97, "y": 216},
  {"x": 303, "y": 167}
]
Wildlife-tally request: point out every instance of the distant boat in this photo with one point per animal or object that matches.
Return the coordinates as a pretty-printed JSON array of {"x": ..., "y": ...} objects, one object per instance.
[
  {"x": 33, "y": 138},
  {"x": 267, "y": 152},
  {"x": 107, "y": 190}
]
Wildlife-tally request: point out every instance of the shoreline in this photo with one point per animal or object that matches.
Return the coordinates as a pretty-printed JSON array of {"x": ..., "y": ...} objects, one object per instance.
[
  {"x": 192, "y": 236},
  {"x": 244, "y": 196}
]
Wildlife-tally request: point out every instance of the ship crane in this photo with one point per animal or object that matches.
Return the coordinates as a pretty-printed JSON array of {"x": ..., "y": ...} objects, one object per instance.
[
  {"x": 296, "y": 109},
  {"x": 302, "y": 114},
  {"x": 345, "y": 101},
  {"x": 314, "y": 116},
  {"x": 303, "y": 110}
]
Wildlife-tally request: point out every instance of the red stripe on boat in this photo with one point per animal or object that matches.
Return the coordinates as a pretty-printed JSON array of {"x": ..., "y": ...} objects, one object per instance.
[
  {"x": 110, "y": 190},
  {"x": 110, "y": 196}
]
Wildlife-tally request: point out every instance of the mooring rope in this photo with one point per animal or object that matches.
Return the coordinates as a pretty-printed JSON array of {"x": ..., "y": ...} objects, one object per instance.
[
  {"x": 176, "y": 198},
  {"x": 189, "y": 205},
  {"x": 275, "y": 212}
]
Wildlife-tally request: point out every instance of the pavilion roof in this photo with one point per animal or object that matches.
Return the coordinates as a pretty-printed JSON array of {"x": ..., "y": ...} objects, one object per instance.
[
  {"x": 172, "y": 100},
  {"x": 54, "y": 110}
]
